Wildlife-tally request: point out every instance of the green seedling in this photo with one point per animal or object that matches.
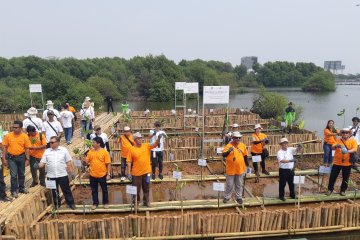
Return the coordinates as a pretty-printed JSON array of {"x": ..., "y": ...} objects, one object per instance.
[{"x": 342, "y": 113}]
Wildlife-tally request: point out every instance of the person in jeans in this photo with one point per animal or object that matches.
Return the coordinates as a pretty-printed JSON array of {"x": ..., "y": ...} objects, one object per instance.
[
  {"x": 3, "y": 196},
  {"x": 126, "y": 141},
  {"x": 157, "y": 153},
  {"x": 67, "y": 119},
  {"x": 139, "y": 157},
  {"x": 59, "y": 165},
  {"x": 87, "y": 116},
  {"x": 236, "y": 163},
  {"x": 100, "y": 168},
  {"x": 37, "y": 149},
  {"x": 330, "y": 134},
  {"x": 343, "y": 148},
  {"x": 16, "y": 156}
]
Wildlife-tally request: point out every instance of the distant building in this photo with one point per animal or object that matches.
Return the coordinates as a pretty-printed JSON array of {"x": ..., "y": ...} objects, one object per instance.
[
  {"x": 249, "y": 61},
  {"x": 333, "y": 66}
]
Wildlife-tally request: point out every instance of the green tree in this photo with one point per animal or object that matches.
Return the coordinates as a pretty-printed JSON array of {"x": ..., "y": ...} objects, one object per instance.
[
  {"x": 104, "y": 86},
  {"x": 320, "y": 82}
]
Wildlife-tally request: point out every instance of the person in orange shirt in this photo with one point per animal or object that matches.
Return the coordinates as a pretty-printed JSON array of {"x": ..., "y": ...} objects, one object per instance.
[
  {"x": 236, "y": 163},
  {"x": 259, "y": 140},
  {"x": 126, "y": 140},
  {"x": 37, "y": 149},
  {"x": 329, "y": 139},
  {"x": 139, "y": 157},
  {"x": 16, "y": 156},
  {"x": 100, "y": 168},
  {"x": 344, "y": 147}
]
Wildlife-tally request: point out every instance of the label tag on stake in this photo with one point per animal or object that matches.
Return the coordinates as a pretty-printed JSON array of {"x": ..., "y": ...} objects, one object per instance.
[
  {"x": 50, "y": 184},
  {"x": 299, "y": 179},
  {"x": 219, "y": 150},
  {"x": 218, "y": 186},
  {"x": 202, "y": 162},
  {"x": 324, "y": 169},
  {"x": 131, "y": 190},
  {"x": 78, "y": 163},
  {"x": 177, "y": 175},
  {"x": 256, "y": 158}
]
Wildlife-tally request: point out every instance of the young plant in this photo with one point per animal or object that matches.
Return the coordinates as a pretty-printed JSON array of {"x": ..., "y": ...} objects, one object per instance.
[{"x": 342, "y": 113}]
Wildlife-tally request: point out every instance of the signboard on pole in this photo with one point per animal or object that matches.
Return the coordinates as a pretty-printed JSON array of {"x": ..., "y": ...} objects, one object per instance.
[
  {"x": 35, "y": 88},
  {"x": 180, "y": 85},
  {"x": 216, "y": 95},
  {"x": 192, "y": 87}
]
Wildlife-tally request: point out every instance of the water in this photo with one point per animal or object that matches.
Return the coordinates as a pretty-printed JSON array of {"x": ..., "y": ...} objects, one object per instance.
[{"x": 318, "y": 107}]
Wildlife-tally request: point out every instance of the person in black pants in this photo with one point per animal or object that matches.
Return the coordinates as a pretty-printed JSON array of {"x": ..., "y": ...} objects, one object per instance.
[
  {"x": 109, "y": 100},
  {"x": 343, "y": 148},
  {"x": 286, "y": 161}
]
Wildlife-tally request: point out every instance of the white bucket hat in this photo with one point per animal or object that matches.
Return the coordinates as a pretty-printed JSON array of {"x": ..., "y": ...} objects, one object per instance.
[
  {"x": 236, "y": 134},
  {"x": 235, "y": 125},
  {"x": 345, "y": 130},
  {"x": 151, "y": 132},
  {"x": 126, "y": 128},
  {"x": 284, "y": 140},
  {"x": 257, "y": 126},
  {"x": 137, "y": 135},
  {"x": 49, "y": 102},
  {"x": 32, "y": 111}
]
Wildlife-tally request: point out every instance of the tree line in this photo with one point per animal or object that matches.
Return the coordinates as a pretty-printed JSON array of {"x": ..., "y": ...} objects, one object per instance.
[{"x": 150, "y": 78}]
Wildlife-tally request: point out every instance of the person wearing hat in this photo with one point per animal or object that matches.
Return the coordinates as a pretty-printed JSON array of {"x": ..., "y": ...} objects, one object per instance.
[
  {"x": 32, "y": 120},
  {"x": 289, "y": 117},
  {"x": 87, "y": 116},
  {"x": 50, "y": 106},
  {"x": 228, "y": 135},
  {"x": 344, "y": 147},
  {"x": 139, "y": 157},
  {"x": 16, "y": 156},
  {"x": 355, "y": 133},
  {"x": 37, "y": 149},
  {"x": 259, "y": 140},
  {"x": 51, "y": 128},
  {"x": 236, "y": 163},
  {"x": 104, "y": 137},
  {"x": 67, "y": 119},
  {"x": 285, "y": 157},
  {"x": 126, "y": 141},
  {"x": 157, "y": 154}
]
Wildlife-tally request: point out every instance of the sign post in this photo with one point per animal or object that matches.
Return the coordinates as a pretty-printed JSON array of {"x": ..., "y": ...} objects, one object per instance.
[
  {"x": 299, "y": 180},
  {"x": 132, "y": 190},
  {"x": 192, "y": 87},
  {"x": 219, "y": 187},
  {"x": 322, "y": 170},
  {"x": 36, "y": 88}
]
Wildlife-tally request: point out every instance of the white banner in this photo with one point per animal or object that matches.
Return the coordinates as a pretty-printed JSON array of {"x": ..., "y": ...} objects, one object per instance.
[
  {"x": 216, "y": 95},
  {"x": 219, "y": 187},
  {"x": 192, "y": 87},
  {"x": 180, "y": 85},
  {"x": 35, "y": 88}
]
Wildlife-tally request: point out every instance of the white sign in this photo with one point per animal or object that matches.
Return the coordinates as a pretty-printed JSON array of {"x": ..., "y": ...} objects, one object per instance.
[
  {"x": 211, "y": 110},
  {"x": 77, "y": 163},
  {"x": 248, "y": 170},
  {"x": 216, "y": 95},
  {"x": 35, "y": 88},
  {"x": 256, "y": 158},
  {"x": 202, "y": 162},
  {"x": 332, "y": 152},
  {"x": 192, "y": 87},
  {"x": 299, "y": 179},
  {"x": 176, "y": 175},
  {"x": 171, "y": 157},
  {"x": 324, "y": 169},
  {"x": 50, "y": 184},
  {"x": 219, "y": 150},
  {"x": 218, "y": 186},
  {"x": 131, "y": 190},
  {"x": 283, "y": 124},
  {"x": 180, "y": 85}
]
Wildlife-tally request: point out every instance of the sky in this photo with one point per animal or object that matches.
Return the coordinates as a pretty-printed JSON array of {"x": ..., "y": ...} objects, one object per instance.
[{"x": 222, "y": 30}]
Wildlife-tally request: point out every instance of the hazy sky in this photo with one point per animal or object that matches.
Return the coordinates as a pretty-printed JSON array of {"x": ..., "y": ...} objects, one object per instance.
[{"x": 285, "y": 30}]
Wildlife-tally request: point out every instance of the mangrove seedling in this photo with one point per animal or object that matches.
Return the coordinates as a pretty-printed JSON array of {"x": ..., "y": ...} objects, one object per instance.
[{"x": 342, "y": 113}]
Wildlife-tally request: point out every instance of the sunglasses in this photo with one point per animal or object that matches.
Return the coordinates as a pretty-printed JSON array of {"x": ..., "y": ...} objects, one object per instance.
[
  {"x": 237, "y": 138},
  {"x": 52, "y": 142},
  {"x": 15, "y": 127}
]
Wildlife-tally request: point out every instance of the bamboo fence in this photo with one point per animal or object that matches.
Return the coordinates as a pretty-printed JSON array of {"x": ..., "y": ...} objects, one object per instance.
[{"x": 198, "y": 224}]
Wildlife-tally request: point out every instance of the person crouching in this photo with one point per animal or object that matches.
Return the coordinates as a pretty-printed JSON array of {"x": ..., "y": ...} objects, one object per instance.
[
  {"x": 99, "y": 160},
  {"x": 236, "y": 162}
]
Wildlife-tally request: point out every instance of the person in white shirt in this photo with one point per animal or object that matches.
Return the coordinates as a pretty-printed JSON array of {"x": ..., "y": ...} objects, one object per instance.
[
  {"x": 87, "y": 115},
  {"x": 59, "y": 164},
  {"x": 157, "y": 153},
  {"x": 50, "y": 107},
  {"x": 355, "y": 133},
  {"x": 228, "y": 135},
  {"x": 285, "y": 157},
  {"x": 32, "y": 120},
  {"x": 51, "y": 128},
  {"x": 104, "y": 136},
  {"x": 67, "y": 119}
]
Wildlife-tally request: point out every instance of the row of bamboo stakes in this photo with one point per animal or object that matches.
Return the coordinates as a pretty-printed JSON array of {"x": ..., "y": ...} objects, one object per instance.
[
  {"x": 179, "y": 112},
  {"x": 196, "y": 223}
]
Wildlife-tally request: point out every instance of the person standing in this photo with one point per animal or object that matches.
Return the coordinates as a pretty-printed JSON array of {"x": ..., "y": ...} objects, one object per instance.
[
  {"x": 139, "y": 157},
  {"x": 259, "y": 140},
  {"x": 285, "y": 157},
  {"x": 16, "y": 155},
  {"x": 355, "y": 133},
  {"x": 103, "y": 136},
  {"x": 51, "y": 128},
  {"x": 344, "y": 147},
  {"x": 157, "y": 153},
  {"x": 67, "y": 119},
  {"x": 289, "y": 117},
  {"x": 109, "y": 100},
  {"x": 87, "y": 116},
  {"x": 50, "y": 107},
  {"x": 126, "y": 141},
  {"x": 228, "y": 135},
  {"x": 37, "y": 149},
  {"x": 330, "y": 134},
  {"x": 100, "y": 169},
  {"x": 72, "y": 109},
  {"x": 3, "y": 196},
  {"x": 59, "y": 164},
  {"x": 236, "y": 163},
  {"x": 32, "y": 120}
]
